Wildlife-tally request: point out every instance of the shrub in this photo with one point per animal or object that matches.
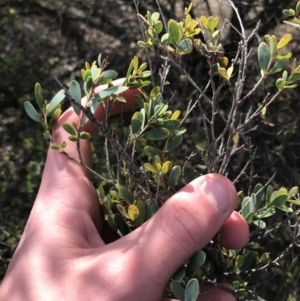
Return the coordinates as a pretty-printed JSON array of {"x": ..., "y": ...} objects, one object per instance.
[{"x": 155, "y": 156}]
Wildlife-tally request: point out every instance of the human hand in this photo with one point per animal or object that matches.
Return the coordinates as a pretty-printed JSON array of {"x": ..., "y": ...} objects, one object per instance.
[{"x": 61, "y": 255}]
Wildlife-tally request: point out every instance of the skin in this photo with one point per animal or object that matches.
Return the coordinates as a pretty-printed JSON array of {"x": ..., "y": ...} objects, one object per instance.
[{"x": 67, "y": 251}]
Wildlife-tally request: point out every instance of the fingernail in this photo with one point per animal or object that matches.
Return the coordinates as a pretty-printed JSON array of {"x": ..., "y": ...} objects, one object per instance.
[{"x": 218, "y": 192}]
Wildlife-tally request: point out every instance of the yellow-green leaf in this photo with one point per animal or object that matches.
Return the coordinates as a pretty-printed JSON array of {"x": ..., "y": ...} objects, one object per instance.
[
  {"x": 284, "y": 40},
  {"x": 133, "y": 212},
  {"x": 273, "y": 46},
  {"x": 222, "y": 71},
  {"x": 229, "y": 71},
  {"x": 166, "y": 167},
  {"x": 174, "y": 32},
  {"x": 150, "y": 167},
  {"x": 204, "y": 21},
  {"x": 280, "y": 83},
  {"x": 175, "y": 115},
  {"x": 235, "y": 138}
]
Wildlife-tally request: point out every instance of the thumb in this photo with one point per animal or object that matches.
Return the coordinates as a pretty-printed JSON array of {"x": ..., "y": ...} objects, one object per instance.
[{"x": 185, "y": 224}]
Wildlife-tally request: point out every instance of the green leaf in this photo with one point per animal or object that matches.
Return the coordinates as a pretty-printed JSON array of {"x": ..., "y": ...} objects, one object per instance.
[
  {"x": 289, "y": 12},
  {"x": 120, "y": 224},
  {"x": 88, "y": 84},
  {"x": 150, "y": 208},
  {"x": 75, "y": 92},
  {"x": 73, "y": 138},
  {"x": 158, "y": 26},
  {"x": 180, "y": 131},
  {"x": 137, "y": 122},
  {"x": 291, "y": 86},
  {"x": 256, "y": 276},
  {"x": 192, "y": 290},
  {"x": 39, "y": 96},
  {"x": 259, "y": 192},
  {"x": 285, "y": 208},
  {"x": 266, "y": 213},
  {"x": 85, "y": 135},
  {"x": 279, "y": 65},
  {"x": 174, "y": 175},
  {"x": 142, "y": 44},
  {"x": 298, "y": 7},
  {"x": 125, "y": 193},
  {"x": 185, "y": 46},
  {"x": 31, "y": 112},
  {"x": 151, "y": 151},
  {"x": 173, "y": 143},
  {"x": 142, "y": 213},
  {"x": 196, "y": 261},
  {"x": 154, "y": 92},
  {"x": 139, "y": 100},
  {"x": 56, "y": 114},
  {"x": 67, "y": 127},
  {"x": 156, "y": 134},
  {"x": 239, "y": 261},
  {"x": 177, "y": 290},
  {"x": 115, "y": 90},
  {"x": 269, "y": 193},
  {"x": 179, "y": 274},
  {"x": 277, "y": 199},
  {"x": 171, "y": 125},
  {"x": 263, "y": 56},
  {"x": 248, "y": 260},
  {"x": 280, "y": 83},
  {"x": 109, "y": 74},
  {"x": 211, "y": 24},
  {"x": 144, "y": 74},
  {"x": 133, "y": 212},
  {"x": 293, "y": 192},
  {"x": 174, "y": 32},
  {"x": 273, "y": 46},
  {"x": 249, "y": 204},
  {"x": 56, "y": 100},
  {"x": 249, "y": 217},
  {"x": 293, "y": 78},
  {"x": 260, "y": 224},
  {"x": 155, "y": 16},
  {"x": 55, "y": 146}
]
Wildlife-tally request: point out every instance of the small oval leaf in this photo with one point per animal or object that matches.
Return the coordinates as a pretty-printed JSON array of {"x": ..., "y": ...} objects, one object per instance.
[
  {"x": 284, "y": 40},
  {"x": 174, "y": 32},
  {"x": 68, "y": 128},
  {"x": 174, "y": 175},
  {"x": 263, "y": 56},
  {"x": 133, "y": 212},
  {"x": 31, "y": 111},
  {"x": 56, "y": 100},
  {"x": 177, "y": 290},
  {"x": 150, "y": 167},
  {"x": 137, "y": 122},
  {"x": 185, "y": 46},
  {"x": 192, "y": 290},
  {"x": 174, "y": 143},
  {"x": 196, "y": 261},
  {"x": 39, "y": 95},
  {"x": 156, "y": 134},
  {"x": 109, "y": 74}
]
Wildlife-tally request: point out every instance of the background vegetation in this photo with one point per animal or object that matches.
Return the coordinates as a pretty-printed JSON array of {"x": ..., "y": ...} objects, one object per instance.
[{"x": 41, "y": 39}]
